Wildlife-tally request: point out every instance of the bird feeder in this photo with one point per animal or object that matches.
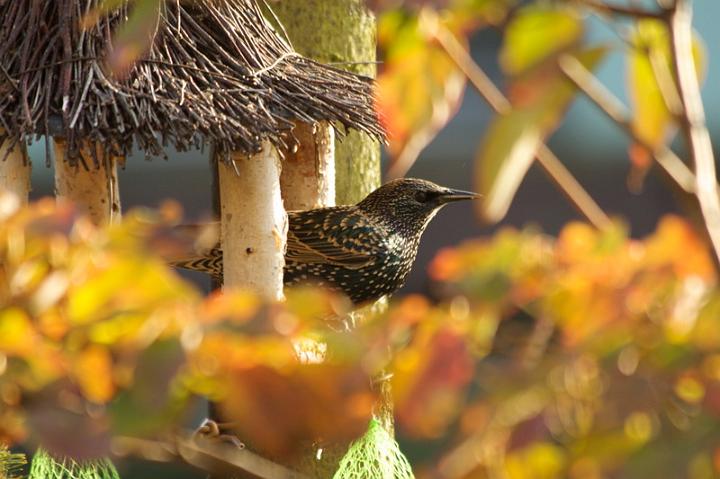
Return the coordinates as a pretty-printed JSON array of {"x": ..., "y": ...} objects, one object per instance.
[{"x": 214, "y": 73}]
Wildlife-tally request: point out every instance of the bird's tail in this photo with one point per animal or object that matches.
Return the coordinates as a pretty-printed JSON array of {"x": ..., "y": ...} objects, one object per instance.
[
  {"x": 204, "y": 255},
  {"x": 209, "y": 262}
]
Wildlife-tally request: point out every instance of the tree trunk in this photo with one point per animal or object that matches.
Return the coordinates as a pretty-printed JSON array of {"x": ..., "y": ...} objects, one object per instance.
[
  {"x": 308, "y": 171},
  {"x": 342, "y": 32},
  {"x": 253, "y": 222},
  {"x": 15, "y": 170},
  {"x": 95, "y": 189}
]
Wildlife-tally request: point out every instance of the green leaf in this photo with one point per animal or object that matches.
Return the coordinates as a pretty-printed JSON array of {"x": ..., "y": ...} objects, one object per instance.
[
  {"x": 511, "y": 141},
  {"x": 652, "y": 120},
  {"x": 536, "y": 33}
]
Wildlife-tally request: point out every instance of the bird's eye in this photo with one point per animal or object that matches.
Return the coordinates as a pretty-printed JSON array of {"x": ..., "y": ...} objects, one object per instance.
[{"x": 421, "y": 196}]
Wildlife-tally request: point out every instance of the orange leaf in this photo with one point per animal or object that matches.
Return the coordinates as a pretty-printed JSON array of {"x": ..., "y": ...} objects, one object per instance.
[{"x": 93, "y": 372}]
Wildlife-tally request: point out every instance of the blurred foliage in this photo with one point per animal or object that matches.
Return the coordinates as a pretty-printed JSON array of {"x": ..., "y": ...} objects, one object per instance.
[
  {"x": 587, "y": 355},
  {"x": 615, "y": 375},
  {"x": 97, "y": 334}
]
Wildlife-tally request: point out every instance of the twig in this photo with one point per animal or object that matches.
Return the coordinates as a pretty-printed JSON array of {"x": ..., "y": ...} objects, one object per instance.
[
  {"x": 213, "y": 72},
  {"x": 572, "y": 189},
  {"x": 552, "y": 165},
  {"x": 207, "y": 454},
  {"x": 693, "y": 119},
  {"x": 610, "y": 9},
  {"x": 603, "y": 98},
  {"x": 224, "y": 458}
]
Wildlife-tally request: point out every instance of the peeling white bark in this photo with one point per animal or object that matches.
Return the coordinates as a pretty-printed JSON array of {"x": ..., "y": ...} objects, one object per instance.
[
  {"x": 308, "y": 181},
  {"x": 253, "y": 223},
  {"x": 95, "y": 189},
  {"x": 308, "y": 173},
  {"x": 15, "y": 171}
]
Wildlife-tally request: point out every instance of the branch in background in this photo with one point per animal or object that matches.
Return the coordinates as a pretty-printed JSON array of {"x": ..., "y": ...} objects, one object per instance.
[
  {"x": 629, "y": 11},
  {"x": 552, "y": 165},
  {"x": 211, "y": 455},
  {"x": 692, "y": 119},
  {"x": 603, "y": 98},
  {"x": 572, "y": 189}
]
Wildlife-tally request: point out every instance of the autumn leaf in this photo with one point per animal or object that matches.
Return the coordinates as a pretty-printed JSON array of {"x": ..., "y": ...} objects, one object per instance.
[
  {"x": 428, "y": 382},
  {"x": 649, "y": 73},
  {"x": 537, "y": 32},
  {"x": 419, "y": 89},
  {"x": 281, "y": 412},
  {"x": 544, "y": 459},
  {"x": 652, "y": 90},
  {"x": 93, "y": 372}
]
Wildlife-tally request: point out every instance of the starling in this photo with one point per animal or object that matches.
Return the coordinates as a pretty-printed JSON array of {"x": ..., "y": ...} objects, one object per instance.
[{"x": 365, "y": 250}]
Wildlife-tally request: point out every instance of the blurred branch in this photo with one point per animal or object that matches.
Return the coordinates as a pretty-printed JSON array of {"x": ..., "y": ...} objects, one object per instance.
[
  {"x": 609, "y": 104},
  {"x": 629, "y": 11},
  {"x": 693, "y": 119},
  {"x": 572, "y": 189},
  {"x": 552, "y": 165},
  {"x": 207, "y": 454}
]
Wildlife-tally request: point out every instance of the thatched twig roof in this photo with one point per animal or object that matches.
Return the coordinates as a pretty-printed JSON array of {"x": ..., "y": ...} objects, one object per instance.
[{"x": 216, "y": 72}]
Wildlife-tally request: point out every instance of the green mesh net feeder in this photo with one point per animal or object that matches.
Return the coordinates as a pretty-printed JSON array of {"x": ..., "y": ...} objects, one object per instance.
[
  {"x": 10, "y": 464},
  {"x": 376, "y": 455},
  {"x": 45, "y": 466}
]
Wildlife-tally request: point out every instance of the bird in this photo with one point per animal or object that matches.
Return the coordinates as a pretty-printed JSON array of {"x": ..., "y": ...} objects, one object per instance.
[{"x": 364, "y": 251}]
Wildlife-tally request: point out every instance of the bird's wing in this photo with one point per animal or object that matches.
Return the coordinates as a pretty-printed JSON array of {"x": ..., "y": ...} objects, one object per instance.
[{"x": 340, "y": 236}]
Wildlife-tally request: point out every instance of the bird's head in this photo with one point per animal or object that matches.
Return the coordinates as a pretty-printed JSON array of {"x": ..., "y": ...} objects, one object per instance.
[{"x": 408, "y": 204}]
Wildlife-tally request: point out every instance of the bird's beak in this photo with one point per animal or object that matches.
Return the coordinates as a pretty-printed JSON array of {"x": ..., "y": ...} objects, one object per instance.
[{"x": 457, "y": 195}]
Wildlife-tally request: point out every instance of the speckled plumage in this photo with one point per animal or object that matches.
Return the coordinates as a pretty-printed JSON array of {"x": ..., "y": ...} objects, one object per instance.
[{"x": 365, "y": 250}]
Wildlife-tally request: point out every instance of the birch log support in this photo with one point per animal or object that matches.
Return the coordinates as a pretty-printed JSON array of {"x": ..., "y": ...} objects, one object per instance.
[
  {"x": 308, "y": 172},
  {"x": 340, "y": 31},
  {"x": 253, "y": 222},
  {"x": 95, "y": 188},
  {"x": 15, "y": 171}
]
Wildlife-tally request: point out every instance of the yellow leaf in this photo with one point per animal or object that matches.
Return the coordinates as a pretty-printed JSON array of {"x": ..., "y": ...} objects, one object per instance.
[
  {"x": 536, "y": 33},
  {"x": 540, "y": 460},
  {"x": 17, "y": 334},
  {"x": 649, "y": 70}
]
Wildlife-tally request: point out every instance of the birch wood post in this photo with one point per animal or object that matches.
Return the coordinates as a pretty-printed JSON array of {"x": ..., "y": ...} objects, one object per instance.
[
  {"x": 253, "y": 222},
  {"x": 308, "y": 172},
  {"x": 15, "y": 170},
  {"x": 95, "y": 188},
  {"x": 340, "y": 31},
  {"x": 308, "y": 181}
]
